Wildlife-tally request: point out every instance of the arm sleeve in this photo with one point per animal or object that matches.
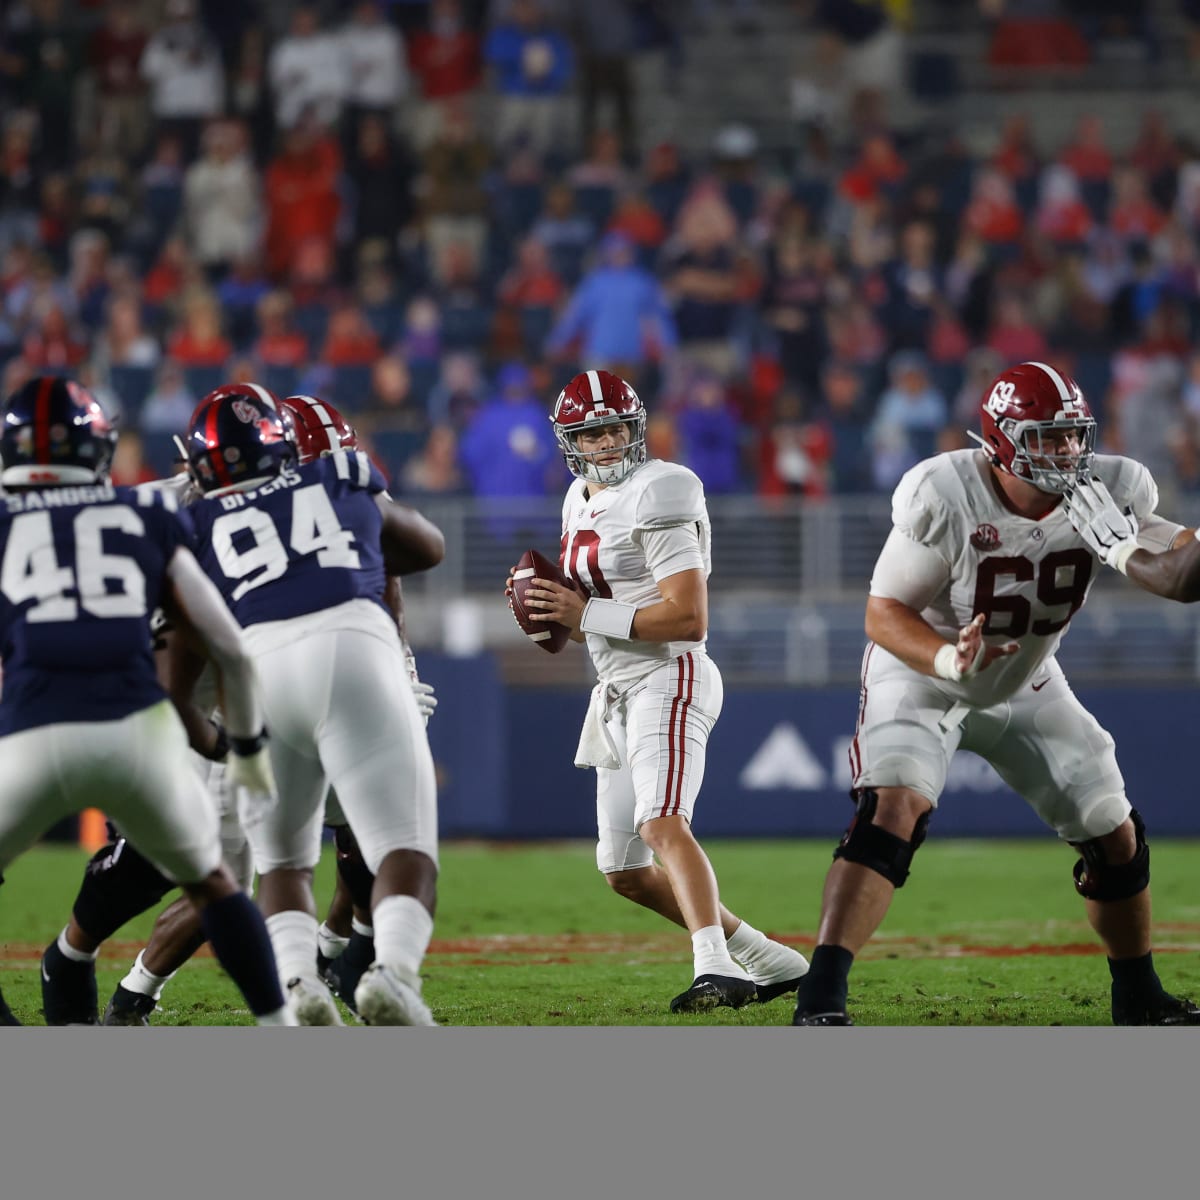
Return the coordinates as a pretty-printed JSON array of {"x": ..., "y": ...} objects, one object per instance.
[
  {"x": 669, "y": 551},
  {"x": 356, "y": 467},
  {"x": 674, "y": 498},
  {"x": 914, "y": 564},
  {"x": 1155, "y": 533},
  {"x": 909, "y": 572}
]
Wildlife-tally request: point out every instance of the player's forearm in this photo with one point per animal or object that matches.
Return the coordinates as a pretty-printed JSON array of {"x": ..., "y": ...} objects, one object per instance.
[
  {"x": 669, "y": 621},
  {"x": 409, "y": 541},
  {"x": 901, "y": 631},
  {"x": 1174, "y": 575}
]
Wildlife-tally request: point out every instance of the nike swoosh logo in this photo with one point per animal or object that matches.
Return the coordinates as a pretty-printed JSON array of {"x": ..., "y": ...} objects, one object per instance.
[
  {"x": 1037, "y": 687},
  {"x": 597, "y": 511},
  {"x": 44, "y": 975}
]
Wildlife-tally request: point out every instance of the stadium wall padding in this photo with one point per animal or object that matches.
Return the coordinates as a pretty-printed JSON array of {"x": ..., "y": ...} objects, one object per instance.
[{"x": 777, "y": 762}]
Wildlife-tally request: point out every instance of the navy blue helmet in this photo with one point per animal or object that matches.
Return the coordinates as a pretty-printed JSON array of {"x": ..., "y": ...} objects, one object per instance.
[
  {"x": 54, "y": 432},
  {"x": 238, "y": 432}
]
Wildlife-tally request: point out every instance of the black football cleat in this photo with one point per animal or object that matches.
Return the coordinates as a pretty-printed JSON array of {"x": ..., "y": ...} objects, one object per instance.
[
  {"x": 344, "y": 972},
  {"x": 68, "y": 989},
  {"x": 128, "y": 1008},
  {"x": 821, "y": 1018},
  {"x": 7, "y": 1016},
  {"x": 766, "y": 992},
  {"x": 1163, "y": 1009},
  {"x": 714, "y": 991}
]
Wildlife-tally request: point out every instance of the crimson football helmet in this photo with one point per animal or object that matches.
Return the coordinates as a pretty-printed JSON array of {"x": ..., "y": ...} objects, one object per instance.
[
  {"x": 237, "y": 433},
  {"x": 320, "y": 428},
  {"x": 54, "y": 431},
  {"x": 1024, "y": 416},
  {"x": 590, "y": 400}
]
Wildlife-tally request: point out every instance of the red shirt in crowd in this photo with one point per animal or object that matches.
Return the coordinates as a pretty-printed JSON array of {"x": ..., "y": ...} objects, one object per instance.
[
  {"x": 302, "y": 200},
  {"x": 447, "y": 64}
]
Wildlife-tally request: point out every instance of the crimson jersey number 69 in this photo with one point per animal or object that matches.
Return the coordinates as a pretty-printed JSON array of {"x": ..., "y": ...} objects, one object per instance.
[{"x": 1062, "y": 579}]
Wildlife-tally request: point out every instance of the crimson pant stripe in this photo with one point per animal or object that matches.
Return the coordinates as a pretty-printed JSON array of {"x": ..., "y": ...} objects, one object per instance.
[
  {"x": 41, "y": 421},
  {"x": 666, "y": 808},
  {"x": 211, "y": 441},
  {"x": 855, "y": 752},
  {"x": 683, "y": 713}
]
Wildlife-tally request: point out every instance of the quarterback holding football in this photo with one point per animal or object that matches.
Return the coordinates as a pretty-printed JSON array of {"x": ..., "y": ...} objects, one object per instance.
[{"x": 635, "y": 553}]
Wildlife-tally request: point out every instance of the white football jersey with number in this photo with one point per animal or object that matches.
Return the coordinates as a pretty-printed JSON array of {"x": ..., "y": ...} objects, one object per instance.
[
  {"x": 1028, "y": 576},
  {"x": 604, "y": 547}
]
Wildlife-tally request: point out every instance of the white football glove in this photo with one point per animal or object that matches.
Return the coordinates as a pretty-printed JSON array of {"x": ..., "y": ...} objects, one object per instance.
[
  {"x": 426, "y": 700},
  {"x": 1109, "y": 531},
  {"x": 251, "y": 775}
]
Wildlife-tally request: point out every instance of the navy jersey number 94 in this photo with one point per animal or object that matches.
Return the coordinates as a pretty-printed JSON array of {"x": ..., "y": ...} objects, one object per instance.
[
  {"x": 81, "y": 571},
  {"x": 306, "y": 541}
]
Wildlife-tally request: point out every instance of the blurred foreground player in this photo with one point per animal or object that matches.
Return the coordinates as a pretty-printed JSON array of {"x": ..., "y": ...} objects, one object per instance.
[
  {"x": 302, "y": 553},
  {"x": 84, "y": 720}
]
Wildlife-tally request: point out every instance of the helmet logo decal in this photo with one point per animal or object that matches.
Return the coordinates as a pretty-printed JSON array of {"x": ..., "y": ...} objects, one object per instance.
[
  {"x": 244, "y": 411},
  {"x": 1001, "y": 397}
]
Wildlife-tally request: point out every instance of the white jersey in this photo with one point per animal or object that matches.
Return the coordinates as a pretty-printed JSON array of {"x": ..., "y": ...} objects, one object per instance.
[
  {"x": 1028, "y": 576},
  {"x": 609, "y": 545}
]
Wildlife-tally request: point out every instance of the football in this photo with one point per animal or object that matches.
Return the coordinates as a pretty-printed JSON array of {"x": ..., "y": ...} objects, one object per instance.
[{"x": 550, "y": 635}]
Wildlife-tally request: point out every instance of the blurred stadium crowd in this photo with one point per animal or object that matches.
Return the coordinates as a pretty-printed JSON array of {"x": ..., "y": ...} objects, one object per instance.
[{"x": 432, "y": 212}]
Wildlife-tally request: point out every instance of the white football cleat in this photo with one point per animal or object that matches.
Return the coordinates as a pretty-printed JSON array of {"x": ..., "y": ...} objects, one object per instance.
[
  {"x": 312, "y": 1003},
  {"x": 388, "y": 996}
]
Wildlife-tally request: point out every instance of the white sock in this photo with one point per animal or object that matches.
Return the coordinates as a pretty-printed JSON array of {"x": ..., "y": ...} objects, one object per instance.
[
  {"x": 765, "y": 961},
  {"x": 329, "y": 943},
  {"x": 70, "y": 952},
  {"x": 363, "y": 930},
  {"x": 403, "y": 928},
  {"x": 144, "y": 982},
  {"x": 294, "y": 940},
  {"x": 711, "y": 955}
]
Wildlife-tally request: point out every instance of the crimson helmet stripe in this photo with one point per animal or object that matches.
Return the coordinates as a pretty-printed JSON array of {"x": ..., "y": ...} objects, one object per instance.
[
  {"x": 317, "y": 409},
  {"x": 1059, "y": 382},
  {"x": 597, "y": 390},
  {"x": 41, "y": 423},
  {"x": 212, "y": 439}
]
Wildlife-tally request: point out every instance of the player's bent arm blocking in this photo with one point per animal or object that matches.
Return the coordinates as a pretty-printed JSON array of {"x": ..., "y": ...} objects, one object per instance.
[
  {"x": 181, "y": 662},
  {"x": 907, "y": 577},
  {"x": 410, "y": 542}
]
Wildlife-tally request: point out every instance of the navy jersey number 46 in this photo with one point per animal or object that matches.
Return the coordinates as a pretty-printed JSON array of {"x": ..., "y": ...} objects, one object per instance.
[
  {"x": 306, "y": 541},
  {"x": 81, "y": 570}
]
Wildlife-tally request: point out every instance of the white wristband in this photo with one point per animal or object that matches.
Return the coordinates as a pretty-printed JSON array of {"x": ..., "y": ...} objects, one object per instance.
[
  {"x": 1120, "y": 556},
  {"x": 609, "y": 618},
  {"x": 944, "y": 664}
]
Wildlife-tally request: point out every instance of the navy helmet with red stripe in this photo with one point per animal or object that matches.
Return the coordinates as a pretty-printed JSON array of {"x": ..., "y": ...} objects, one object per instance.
[
  {"x": 239, "y": 432},
  {"x": 54, "y": 432},
  {"x": 320, "y": 428}
]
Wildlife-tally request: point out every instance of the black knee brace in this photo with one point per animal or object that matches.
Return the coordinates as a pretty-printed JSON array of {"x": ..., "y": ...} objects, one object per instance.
[
  {"x": 1098, "y": 879},
  {"x": 118, "y": 885},
  {"x": 875, "y": 848},
  {"x": 352, "y": 867}
]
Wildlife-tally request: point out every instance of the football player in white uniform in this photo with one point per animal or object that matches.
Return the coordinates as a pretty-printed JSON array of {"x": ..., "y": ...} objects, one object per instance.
[
  {"x": 969, "y": 599},
  {"x": 635, "y": 541}
]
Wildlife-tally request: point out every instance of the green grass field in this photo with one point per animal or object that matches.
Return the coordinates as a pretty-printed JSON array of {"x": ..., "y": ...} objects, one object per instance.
[{"x": 984, "y": 933}]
